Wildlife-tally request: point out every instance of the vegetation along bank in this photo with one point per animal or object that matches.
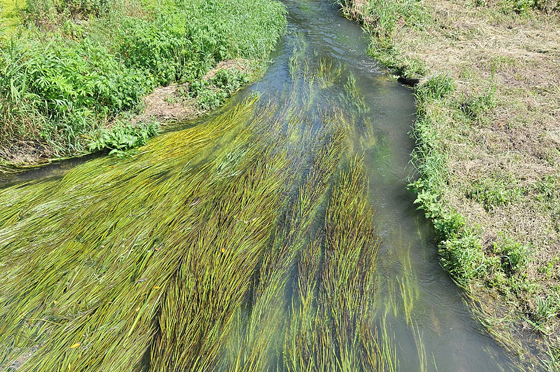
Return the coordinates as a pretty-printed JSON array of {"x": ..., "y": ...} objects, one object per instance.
[
  {"x": 488, "y": 139},
  {"x": 83, "y": 75}
]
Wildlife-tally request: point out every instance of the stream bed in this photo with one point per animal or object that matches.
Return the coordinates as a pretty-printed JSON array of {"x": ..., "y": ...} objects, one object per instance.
[{"x": 275, "y": 234}]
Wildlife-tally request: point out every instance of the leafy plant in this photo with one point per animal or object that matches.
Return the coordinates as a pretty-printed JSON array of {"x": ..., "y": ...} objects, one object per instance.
[
  {"x": 463, "y": 257},
  {"x": 492, "y": 194},
  {"x": 211, "y": 93},
  {"x": 122, "y": 137},
  {"x": 514, "y": 256}
]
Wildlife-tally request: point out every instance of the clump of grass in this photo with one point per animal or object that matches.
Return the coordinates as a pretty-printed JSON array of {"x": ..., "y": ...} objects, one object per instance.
[
  {"x": 436, "y": 87},
  {"x": 475, "y": 106},
  {"x": 381, "y": 17}
]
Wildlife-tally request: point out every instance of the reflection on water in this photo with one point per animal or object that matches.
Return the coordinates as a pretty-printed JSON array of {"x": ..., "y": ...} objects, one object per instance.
[{"x": 57, "y": 169}]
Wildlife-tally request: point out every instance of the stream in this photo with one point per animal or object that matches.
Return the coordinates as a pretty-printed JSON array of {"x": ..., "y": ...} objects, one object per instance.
[{"x": 205, "y": 240}]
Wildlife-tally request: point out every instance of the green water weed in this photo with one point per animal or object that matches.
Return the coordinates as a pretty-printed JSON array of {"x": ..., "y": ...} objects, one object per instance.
[{"x": 243, "y": 243}]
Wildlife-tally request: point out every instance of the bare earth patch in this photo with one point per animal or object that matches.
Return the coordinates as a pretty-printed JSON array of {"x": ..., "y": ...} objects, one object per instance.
[
  {"x": 29, "y": 153},
  {"x": 169, "y": 104}
]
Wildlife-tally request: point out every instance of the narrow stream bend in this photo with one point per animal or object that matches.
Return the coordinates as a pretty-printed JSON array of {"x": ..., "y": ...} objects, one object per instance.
[{"x": 247, "y": 242}]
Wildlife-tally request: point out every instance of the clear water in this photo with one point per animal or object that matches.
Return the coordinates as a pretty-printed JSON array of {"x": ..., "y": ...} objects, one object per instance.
[{"x": 440, "y": 334}]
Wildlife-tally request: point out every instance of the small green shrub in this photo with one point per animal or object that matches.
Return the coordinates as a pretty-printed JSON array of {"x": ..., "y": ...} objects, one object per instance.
[
  {"x": 523, "y": 5},
  {"x": 460, "y": 250},
  {"x": 499, "y": 280},
  {"x": 63, "y": 76},
  {"x": 122, "y": 137},
  {"x": 229, "y": 80},
  {"x": 547, "y": 189},
  {"x": 448, "y": 225},
  {"x": 463, "y": 258},
  {"x": 514, "y": 255},
  {"x": 160, "y": 47},
  {"x": 211, "y": 93}
]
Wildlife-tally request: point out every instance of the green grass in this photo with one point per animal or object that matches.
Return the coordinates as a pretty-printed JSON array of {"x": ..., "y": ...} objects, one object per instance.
[
  {"x": 77, "y": 66},
  {"x": 10, "y": 14}
]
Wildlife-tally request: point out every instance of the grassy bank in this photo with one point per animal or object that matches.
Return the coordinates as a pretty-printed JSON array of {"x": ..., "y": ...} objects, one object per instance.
[
  {"x": 487, "y": 154},
  {"x": 74, "y": 70}
]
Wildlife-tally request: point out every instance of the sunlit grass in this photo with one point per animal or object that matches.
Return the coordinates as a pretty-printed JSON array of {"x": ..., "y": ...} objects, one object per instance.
[{"x": 10, "y": 13}]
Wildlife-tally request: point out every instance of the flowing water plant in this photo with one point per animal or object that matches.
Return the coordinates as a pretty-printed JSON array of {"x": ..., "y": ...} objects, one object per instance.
[
  {"x": 331, "y": 328},
  {"x": 244, "y": 243},
  {"x": 92, "y": 289}
]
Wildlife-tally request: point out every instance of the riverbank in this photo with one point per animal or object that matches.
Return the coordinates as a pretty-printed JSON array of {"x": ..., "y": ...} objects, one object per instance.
[
  {"x": 82, "y": 76},
  {"x": 487, "y": 152}
]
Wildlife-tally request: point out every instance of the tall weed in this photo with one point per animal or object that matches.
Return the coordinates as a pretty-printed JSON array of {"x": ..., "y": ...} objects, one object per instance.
[{"x": 63, "y": 81}]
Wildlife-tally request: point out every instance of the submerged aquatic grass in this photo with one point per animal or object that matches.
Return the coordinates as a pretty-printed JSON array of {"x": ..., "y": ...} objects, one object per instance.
[
  {"x": 245, "y": 243},
  {"x": 333, "y": 324}
]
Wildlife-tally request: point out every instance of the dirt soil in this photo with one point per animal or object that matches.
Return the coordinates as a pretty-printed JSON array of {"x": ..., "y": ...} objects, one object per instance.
[
  {"x": 169, "y": 104},
  {"x": 500, "y": 133}
]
